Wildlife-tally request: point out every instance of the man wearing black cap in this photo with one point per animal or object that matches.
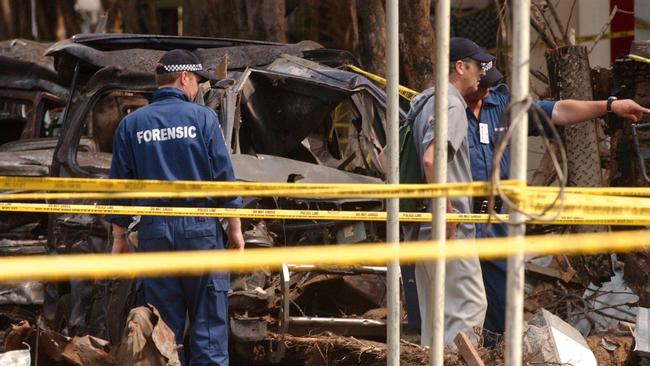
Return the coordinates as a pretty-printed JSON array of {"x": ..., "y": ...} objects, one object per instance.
[
  {"x": 465, "y": 302},
  {"x": 175, "y": 139},
  {"x": 484, "y": 110}
]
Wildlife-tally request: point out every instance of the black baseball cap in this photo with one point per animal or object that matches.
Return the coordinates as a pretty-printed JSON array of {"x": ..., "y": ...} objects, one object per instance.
[
  {"x": 491, "y": 78},
  {"x": 460, "y": 48},
  {"x": 182, "y": 60}
]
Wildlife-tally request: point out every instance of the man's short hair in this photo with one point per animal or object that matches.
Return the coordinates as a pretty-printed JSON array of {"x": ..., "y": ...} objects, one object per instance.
[{"x": 167, "y": 78}]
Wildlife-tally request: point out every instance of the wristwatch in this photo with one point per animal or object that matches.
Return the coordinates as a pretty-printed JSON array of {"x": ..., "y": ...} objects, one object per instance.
[{"x": 610, "y": 100}]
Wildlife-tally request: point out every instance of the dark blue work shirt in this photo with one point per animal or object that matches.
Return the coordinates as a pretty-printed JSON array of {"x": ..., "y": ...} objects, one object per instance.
[
  {"x": 493, "y": 108},
  {"x": 171, "y": 139}
]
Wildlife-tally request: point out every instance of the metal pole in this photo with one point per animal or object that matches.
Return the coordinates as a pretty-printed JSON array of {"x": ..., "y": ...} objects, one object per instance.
[
  {"x": 518, "y": 159},
  {"x": 439, "y": 204},
  {"x": 393, "y": 320},
  {"x": 32, "y": 9}
]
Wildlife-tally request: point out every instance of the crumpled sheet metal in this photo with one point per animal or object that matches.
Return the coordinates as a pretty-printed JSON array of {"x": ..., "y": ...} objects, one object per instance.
[
  {"x": 609, "y": 305},
  {"x": 147, "y": 340},
  {"x": 30, "y": 292},
  {"x": 145, "y": 60},
  {"x": 36, "y": 163},
  {"x": 28, "y": 51},
  {"x": 55, "y": 349},
  {"x": 24, "y": 66}
]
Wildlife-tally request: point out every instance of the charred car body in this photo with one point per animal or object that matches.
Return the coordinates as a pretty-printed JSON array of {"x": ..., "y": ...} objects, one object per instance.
[
  {"x": 31, "y": 102},
  {"x": 287, "y": 115}
]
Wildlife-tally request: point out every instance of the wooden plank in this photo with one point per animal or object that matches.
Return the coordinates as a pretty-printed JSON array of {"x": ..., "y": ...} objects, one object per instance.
[
  {"x": 550, "y": 272},
  {"x": 467, "y": 350}
]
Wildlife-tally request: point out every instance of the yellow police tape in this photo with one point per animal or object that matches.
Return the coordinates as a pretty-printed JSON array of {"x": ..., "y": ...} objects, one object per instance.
[
  {"x": 639, "y": 58},
  {"x": 103, "y": 266},
  {"x": 601, "y": 210},
  {"x": 277, "y": 214},
  {"x": 577, "y": 201},
  {"x": 584, "y": 204},
  {"x": 186, "y": 189},
  {"x": 405, "y": 92},
  {"x": 127, "y": 188},
  {"x": 596, "y": 191},
  {"x": 379, "y": 191}
]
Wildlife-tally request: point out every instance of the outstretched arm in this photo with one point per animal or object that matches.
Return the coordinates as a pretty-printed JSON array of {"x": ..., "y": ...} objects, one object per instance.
[{"x": 570, "y": 111}]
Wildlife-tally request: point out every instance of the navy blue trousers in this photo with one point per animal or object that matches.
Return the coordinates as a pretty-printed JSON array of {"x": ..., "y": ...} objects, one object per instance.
[
  {"x": 204, "y": 298},
  {"x": 494, "y": 279}
]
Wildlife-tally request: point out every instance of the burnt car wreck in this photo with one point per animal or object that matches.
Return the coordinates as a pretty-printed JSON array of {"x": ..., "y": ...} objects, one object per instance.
[
  {"x": 287, "y": 114},
  {"x": 31, "y": 103}
]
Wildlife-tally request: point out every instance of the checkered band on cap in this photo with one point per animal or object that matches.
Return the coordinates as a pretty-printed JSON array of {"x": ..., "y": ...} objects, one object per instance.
[{"x": 182, "y": 67}]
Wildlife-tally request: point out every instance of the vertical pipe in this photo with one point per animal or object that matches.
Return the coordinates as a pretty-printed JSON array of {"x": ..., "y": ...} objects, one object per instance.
[
  {"x": 32, "y": 12},
  {"x": 439, "y": 204},
  {"x": 393, "y": 320},
  {"x": 518, "y": 156}
]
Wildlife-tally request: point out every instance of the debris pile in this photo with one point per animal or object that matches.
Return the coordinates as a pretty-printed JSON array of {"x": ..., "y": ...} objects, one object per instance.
[
  {"x": 147, "y": 340},
  {"x": 569, "y": 321}
]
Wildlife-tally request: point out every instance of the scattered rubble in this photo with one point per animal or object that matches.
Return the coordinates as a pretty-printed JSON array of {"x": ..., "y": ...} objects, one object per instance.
[
  {"x": 324, "y": 349},
  {"x": 52, "y": 348},
  {"x": 605, "y": 314},
  {"x": 550, "y": 340},
  {"x": 612, "y": 347},
  {"x": 329, "y": 349},
  {"x": 147, "y": 341}
]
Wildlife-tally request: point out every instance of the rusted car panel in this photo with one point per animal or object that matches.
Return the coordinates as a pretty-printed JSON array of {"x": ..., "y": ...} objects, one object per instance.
[
  {"x": 269, "y": 168},
  {"x": 31, "y": 96},
  {"x": 25, "y": 67},
  {"x": 47, "y": 143},
  {"x": 276, "y": 102},
  {"x": 31, "y": 100},
  {"x": 36, "y": 163},
  {"x": 96, "y": 52}
]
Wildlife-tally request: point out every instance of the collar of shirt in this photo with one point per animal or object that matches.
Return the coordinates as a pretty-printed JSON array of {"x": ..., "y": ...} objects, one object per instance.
[{"x": 168, "y": 93}]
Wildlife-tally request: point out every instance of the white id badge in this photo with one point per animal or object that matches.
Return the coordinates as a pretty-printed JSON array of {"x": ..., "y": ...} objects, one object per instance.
[{"x": 484, "y": 137}]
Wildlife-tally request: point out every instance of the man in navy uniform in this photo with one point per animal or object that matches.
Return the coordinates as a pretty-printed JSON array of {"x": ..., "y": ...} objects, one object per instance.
[{"x": 175, "y": 139}]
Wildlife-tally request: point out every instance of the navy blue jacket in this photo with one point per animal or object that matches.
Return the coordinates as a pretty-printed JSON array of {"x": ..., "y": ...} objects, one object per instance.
[
  {"x": 171, "y": 139},
  {"x": 492, "y": 109}
]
